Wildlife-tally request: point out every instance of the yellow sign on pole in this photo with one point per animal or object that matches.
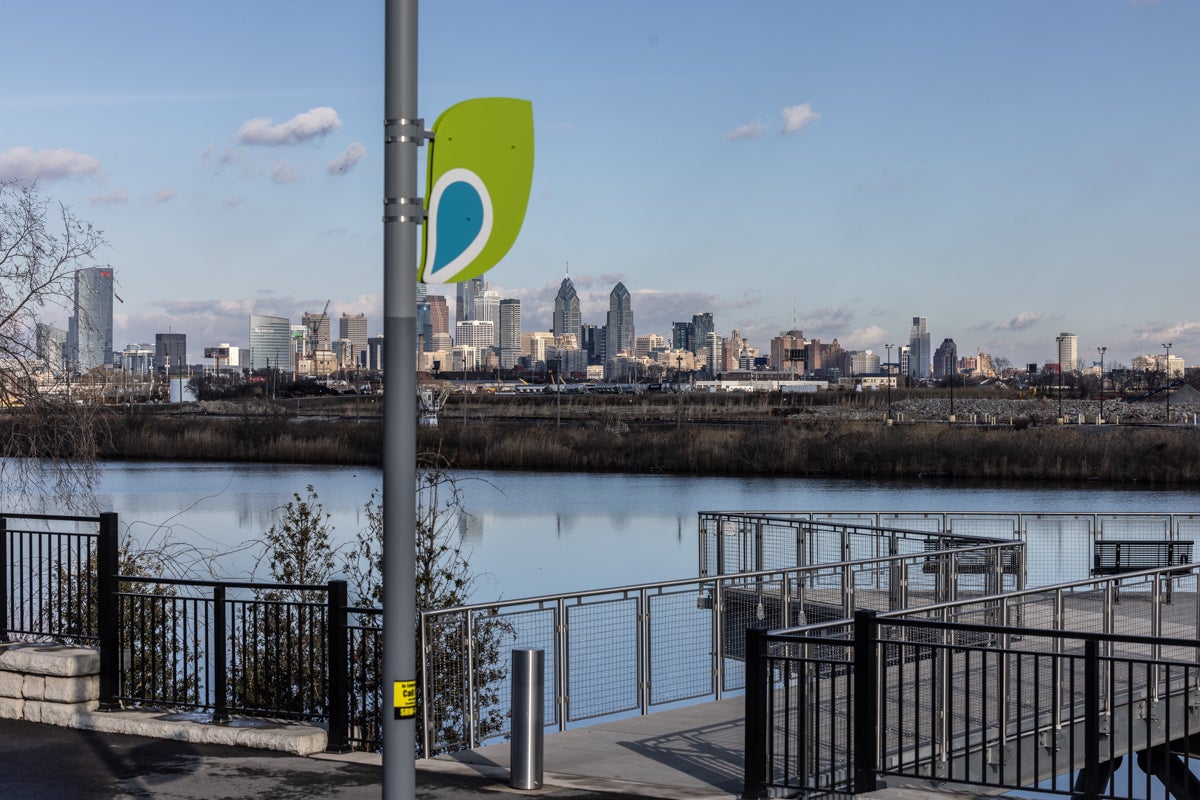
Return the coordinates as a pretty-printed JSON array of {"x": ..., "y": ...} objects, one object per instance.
[{"x": 404, "y": 699}]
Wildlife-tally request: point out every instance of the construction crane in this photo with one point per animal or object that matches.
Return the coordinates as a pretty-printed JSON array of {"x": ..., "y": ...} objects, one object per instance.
[{"x": 315, "y": 330}]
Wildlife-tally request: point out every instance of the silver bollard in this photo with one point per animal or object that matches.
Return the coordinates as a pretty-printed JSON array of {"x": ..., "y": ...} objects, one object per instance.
[{"x": 528, "y": 718}]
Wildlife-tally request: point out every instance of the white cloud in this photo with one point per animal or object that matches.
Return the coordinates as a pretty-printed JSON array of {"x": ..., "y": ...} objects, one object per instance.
[
  {"x": 116, "y": 196},
  {"x": 346, "y": 161},
  {"x": 27, "y": 164},
  {"x": 1026, "y": 319},
  {"x": 797, "y": 117},
  {"x": 747, "y": 132},
  {"x": 164, "y": 195},
  {"x": 304, "y": 127},
  {"x": 864, "y": 338}
]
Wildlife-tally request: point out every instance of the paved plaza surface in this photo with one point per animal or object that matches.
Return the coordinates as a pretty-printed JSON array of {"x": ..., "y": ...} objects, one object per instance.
[{"x": 45, "y": 762}]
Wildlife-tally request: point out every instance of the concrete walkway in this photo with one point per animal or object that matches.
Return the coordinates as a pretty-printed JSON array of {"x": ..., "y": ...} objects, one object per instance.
[{"x": 687, "y": 753}]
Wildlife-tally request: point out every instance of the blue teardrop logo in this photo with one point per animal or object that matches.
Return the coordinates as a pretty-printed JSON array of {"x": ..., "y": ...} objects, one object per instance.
[{"x": 460, "y": 222}]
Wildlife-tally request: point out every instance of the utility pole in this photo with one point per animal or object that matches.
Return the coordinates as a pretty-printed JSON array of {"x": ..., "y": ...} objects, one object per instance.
[
  {"x": 402, "y": 210},
  {"x": 1168, "y": 382}
]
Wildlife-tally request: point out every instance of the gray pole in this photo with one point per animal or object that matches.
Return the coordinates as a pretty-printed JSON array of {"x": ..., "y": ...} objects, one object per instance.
[{"x": 402, "y": 130}]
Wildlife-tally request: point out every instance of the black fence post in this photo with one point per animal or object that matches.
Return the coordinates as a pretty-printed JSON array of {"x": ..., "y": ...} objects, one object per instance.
[
  {"x": 754, "y": 770},
  {"x": 220, "y": 660},
  {"x": 338, "y": 657},
  {"x": 1091, "y": 717},
  {"x": 3, "y": 579},
  {"x": 108, "y": 611},
  {"x": 866, "y": 700}
]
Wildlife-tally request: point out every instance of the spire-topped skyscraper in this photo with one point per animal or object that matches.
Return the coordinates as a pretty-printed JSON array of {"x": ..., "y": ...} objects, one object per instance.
[{"x": 566, "y": 309}]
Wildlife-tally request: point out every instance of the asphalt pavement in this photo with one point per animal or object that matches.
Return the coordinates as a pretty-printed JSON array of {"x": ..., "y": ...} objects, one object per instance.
[{"x": 43, "y": 762}]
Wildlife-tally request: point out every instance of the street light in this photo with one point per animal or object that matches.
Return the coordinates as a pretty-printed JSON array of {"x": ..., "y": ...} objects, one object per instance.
[
  {"x": 1059, "y": 340},
  {"x": 1101, "y": 351},
  {"x": 889, "y": 347},
  {"x": 1168, "y": 370}
]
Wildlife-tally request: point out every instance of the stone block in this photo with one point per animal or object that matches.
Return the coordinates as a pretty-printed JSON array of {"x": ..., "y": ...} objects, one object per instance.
[
  {"x": 34, "y": 687},
  {"x": 12, "y": 708},
  {"x": 51, "y": 659},
  {"x": 72, "y": 690},
  {"x": 66, "y": 715},
  {"x": 10, "y": 684}
]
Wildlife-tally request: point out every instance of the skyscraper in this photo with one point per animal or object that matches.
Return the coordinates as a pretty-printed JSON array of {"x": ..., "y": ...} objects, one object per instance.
[
  {"x": 318, "y": 325},
  {"x": 170, "y": 350},
  {"x": 487, "y": 309},
  {"x": 920, "y": 355},
  {"x": 945, "y": 360},
  {"x": 353, "y": 328},
  {"x": 51, "y": 344},
  {"x": 566, "y": 309},
  {"x": 510, "y": 332},
  {"x": 1068, "y": 352},
  {"x": 618, "y": 333},
  {"x": 702, "y": 326},
  {"x": 270, "y": 343},
  {"x": 91, "y": 332},
  {"x": 467, "y": 291},
  {"x": 439, "y": 318}
]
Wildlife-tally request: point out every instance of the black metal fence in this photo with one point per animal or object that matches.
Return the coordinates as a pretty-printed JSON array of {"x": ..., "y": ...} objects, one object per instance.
[
  {"x": 1048, "y": 711},
  {"x": 286, "y": 651}
]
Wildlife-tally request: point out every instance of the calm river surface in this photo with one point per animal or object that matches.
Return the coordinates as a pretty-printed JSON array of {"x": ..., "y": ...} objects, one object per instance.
[{"x": 540, "y": 533}]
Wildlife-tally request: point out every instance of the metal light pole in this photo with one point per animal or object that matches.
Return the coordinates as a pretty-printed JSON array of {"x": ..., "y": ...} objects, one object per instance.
[
  {"x": 1058, "y": 356},
  {"x": 1101, "y": 351},
  {"x": 1167, "y": 368},
  {"x": 403, "y": 131},
  {"x": 889, "y": 347}
]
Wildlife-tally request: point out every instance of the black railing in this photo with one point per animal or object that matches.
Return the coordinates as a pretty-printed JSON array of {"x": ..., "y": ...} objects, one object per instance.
[
  {"x": 1052, "y": 712},
  {"x": 287, "y": 651}
]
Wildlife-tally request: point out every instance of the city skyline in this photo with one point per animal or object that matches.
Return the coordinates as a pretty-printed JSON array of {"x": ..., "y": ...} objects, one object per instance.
[{"x": 1007, "y": 170}]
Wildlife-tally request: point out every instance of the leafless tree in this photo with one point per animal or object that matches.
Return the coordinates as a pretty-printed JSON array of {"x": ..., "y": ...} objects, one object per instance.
[{"x": 48, "y": 443}]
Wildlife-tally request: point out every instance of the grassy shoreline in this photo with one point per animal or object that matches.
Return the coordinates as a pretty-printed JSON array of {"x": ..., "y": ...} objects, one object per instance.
[{"x": 705, "y": 444}]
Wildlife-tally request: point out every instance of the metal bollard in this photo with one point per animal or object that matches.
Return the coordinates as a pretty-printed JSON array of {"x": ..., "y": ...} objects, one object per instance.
[{"x": 528, "y": 718}]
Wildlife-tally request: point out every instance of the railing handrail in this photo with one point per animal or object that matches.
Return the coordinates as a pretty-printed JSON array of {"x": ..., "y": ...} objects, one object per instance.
[
  {"x": 53, "y": 517},
  {"x": 636, "y": 588},
  {"x": 298, "y": 587}
]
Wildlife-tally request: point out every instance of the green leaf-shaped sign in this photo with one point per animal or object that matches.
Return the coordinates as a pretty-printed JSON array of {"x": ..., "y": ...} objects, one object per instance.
[{"x": 480, "y": 170}]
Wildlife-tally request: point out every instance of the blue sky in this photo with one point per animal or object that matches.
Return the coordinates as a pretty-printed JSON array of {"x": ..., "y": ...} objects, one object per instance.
[{"x": 1008, "y": 170}]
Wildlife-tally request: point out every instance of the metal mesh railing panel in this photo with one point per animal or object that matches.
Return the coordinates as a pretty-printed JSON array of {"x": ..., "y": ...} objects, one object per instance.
[
  {"x": 679, "y": 633},
  {"x": 604, "y": 655}
]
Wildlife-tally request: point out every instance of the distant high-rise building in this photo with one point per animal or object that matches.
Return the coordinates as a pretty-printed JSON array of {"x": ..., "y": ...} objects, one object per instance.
[
  {"x": 270, "y": 343},
  {"x": 920, "y": 355},
  {"x": 945, "y": 360},
  {"x": 716, "y": 355},
  {"x": 476, "y": 333},
  {"x": 1068, "y": 352},
  {"x": 702, "y": 326},
  {"x": 487, "y": 309},
  {"x": 467, "y": 291},
  {"x": 91, "y": 334},
  {"x": 439, "y": 318},
  {"x": 51, "y": 348},
  {"x": 170, "y": 349},
  {"x": 566, "y": 309},
  {"x": 683, "y": 335},
  {"x": 619, "y": 333},
  {"x": 318, "y": 327},
  {"x": 903, "y": 358},
  {"x": 353, "y": 328},
  {"x": 510, "y": 332},
  {"x": 375, "y": 353},
  {"x": 789, "y": 353}
]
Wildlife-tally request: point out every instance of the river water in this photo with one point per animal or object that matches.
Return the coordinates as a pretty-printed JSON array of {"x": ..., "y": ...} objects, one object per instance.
[{"x": 536, "y": 533}]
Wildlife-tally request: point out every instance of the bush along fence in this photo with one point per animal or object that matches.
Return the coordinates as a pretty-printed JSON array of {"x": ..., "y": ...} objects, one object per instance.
[{"x": 277, "y": 650}]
